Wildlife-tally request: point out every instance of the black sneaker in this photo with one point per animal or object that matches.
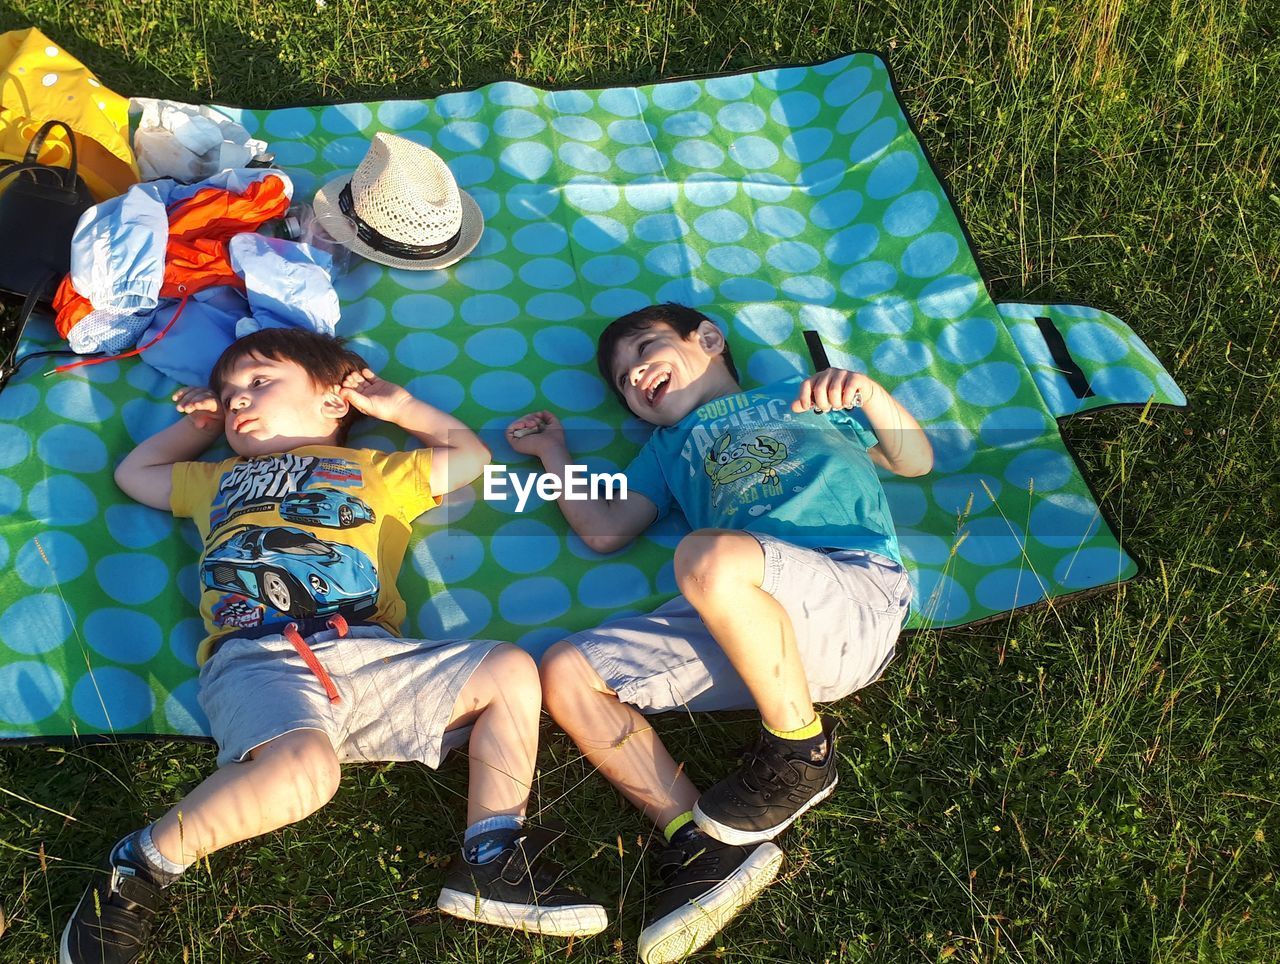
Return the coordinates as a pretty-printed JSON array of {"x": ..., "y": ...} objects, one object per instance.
[
  {"x": 704, "y": 885},
  {"x": 520, "y": 889},
  {"x": 112, "y": 922},
  {"x": 765, "y": 795}
]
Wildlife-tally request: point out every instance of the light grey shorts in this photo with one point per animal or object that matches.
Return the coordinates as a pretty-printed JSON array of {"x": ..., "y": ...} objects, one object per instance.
[
  {"x": 846, "y": 607},
  {"x": 397, "y": 695}
]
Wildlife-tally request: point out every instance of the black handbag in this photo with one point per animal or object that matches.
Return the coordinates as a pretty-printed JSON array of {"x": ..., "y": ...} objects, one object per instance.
[{"x": 40, "y": 205}]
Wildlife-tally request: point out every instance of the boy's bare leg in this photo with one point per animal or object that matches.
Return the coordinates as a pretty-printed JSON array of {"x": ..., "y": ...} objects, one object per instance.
[
  {"x": 502, "y": 701},
  {"x": 286, "y": 779},
  {"x": 720, "y": 572},
  {"x": 294, "y": 775},
  {"x": 701, "y": 884},
  {"x": 500, "y": 877},
  {"x": 614, "y": 737}
]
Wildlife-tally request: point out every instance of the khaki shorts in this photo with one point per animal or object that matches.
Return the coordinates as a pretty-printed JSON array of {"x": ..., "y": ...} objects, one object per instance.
[
  {"x": 846, "y": 607},
  {"x": 397, "y": 695}
]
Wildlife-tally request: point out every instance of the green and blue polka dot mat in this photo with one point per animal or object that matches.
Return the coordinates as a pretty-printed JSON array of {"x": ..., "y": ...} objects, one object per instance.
[{"x": 778, "y": 201}]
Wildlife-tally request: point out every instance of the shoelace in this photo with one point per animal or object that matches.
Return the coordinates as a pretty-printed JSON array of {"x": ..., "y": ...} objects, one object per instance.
[{"x": 692, "y": 857}]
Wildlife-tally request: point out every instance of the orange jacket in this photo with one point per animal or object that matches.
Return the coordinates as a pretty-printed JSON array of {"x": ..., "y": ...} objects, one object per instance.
[{"x": 196, "y": 253}]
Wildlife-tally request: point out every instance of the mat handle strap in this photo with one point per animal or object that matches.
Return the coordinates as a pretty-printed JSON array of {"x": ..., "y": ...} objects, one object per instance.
[{"x": 1077, "y": 381}]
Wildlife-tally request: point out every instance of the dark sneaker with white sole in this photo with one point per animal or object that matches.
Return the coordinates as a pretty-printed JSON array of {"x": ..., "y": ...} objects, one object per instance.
[
  {"x": 520, "y": 889},
  {"x": 705, "y": 883},
  {"x": 112, "y": 922},
  {"x": 765, "y": 795}
]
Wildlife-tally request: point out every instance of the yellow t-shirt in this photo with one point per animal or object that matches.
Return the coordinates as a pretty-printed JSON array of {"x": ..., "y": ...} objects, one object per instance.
[{"x": 304, "y": 533}]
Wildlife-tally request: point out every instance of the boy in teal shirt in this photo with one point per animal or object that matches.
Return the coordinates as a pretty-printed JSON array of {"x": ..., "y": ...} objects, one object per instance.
[{"x": 792, "y": 592}]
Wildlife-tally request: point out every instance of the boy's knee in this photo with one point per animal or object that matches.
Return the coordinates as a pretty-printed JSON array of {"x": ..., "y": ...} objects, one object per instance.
[
  {"x": 311, "y": 765},
  {"x": 514, "y": 672},
  {"x": 566, "y": 674},
  {"x": 708, "y": 558}
]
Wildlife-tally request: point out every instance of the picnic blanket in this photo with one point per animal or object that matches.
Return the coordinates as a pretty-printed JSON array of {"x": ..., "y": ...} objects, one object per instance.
[{"x": 781, "y": 202}]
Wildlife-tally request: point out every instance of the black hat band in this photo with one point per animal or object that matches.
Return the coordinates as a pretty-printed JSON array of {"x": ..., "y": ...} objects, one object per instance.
[{"x": 385, "y": 245}]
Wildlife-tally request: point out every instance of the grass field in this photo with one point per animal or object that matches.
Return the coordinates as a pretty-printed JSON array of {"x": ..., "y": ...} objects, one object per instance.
[{"x": 1098, "y": 781}]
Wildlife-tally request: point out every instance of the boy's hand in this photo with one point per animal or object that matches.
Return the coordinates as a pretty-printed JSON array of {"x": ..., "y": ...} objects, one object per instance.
[
  {"x": 834, "y": 388},
  {"x": 536, "y": 433},
  {"x": 202, "y": 407},
  {"x": 373, "y": 396}
]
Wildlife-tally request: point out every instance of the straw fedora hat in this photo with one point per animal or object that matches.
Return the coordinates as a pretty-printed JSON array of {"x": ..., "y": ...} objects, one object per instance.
[{"x": 406, "y": 207}]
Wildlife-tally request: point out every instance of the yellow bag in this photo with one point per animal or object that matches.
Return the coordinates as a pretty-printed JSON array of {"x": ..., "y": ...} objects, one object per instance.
[{"x": 39, "y": 81}]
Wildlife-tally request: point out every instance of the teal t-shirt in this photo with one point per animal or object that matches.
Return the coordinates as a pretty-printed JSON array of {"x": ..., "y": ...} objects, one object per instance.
[{"x": 746, "y": 461}]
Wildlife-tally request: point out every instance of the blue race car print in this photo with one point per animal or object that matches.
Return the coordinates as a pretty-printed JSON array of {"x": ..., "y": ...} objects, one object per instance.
[
  {"x": 292, "y": 571},
  {"x": 325, "y": 507}
]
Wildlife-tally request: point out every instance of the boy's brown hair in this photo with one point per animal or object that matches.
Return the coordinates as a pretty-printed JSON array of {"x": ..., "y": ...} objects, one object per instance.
[
  {"x": 680, "y": 318},
  {"x": 325, "y": 358}
]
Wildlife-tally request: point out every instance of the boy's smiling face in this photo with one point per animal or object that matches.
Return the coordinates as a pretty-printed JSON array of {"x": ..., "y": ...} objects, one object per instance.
[
  {"x": 273, "y": 406},
  {"x": 663, "y": 377}
]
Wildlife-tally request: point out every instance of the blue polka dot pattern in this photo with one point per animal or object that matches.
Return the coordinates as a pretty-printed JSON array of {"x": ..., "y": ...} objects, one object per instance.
[
  {"x": 70, "y": 447},
  {"x": 991, "y": 384},
  {"x": 500, "y": 346},
  {"x": 676, "y": 96},
  {"x": 528, "y": 602},
  {"x": 991, "y": 541},
  {"x": 34, "y": 624},
  {"x": 1091, "y": 567},
  {"x": 448, "y": 556},
  {"x": 1064, "y": 521},
  {"x": 110, "y": 700},
  {"x": 938, "y": 596},
  {"x": 132, "y": 578},
  {"x": 30, "y": 692},
  {"x": 613, "y": 585},
  {"x": 123, "y": 635},
  {"x": 782, "y": 201},
  {"x": 50, "y": 559},
  {"x": 454, "y": 614},
  {"x": 525, "y": 546},
  {"x": 62, "y": 500},
  {"x": 182, "y": 710},
  {"x": 501, "y": 391},
  {"x": 1009, "y": 589}
]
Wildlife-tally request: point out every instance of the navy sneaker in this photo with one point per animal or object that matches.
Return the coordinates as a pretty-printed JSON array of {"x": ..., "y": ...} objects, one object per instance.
[
  {"x": 112, "y": 922},
  {"x": 705, "y": 883},
  {"x": 520, "y": 889},
  {"x": 767, "y": 793}
]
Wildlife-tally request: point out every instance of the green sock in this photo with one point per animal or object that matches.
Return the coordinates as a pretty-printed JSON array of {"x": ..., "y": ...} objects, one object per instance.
[{"x": 674, "y": 827}]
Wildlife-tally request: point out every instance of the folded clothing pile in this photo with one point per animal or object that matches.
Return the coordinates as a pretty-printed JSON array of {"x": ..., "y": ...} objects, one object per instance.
[
  {"x": 188, "y": 142},
  {"x": 165, "y": 249}
]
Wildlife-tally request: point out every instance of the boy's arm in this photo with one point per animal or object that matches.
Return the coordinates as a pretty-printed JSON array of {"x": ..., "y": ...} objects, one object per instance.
[
  {"x": 146, "y": 474},
  {"x": 457, "y": 454},
  {"x": 903, "y": 447},
  {"x": 605, "y": 525}
]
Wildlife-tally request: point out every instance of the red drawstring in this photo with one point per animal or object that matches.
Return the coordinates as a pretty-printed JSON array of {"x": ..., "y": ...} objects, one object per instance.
[
  {"x": 106, "y": 358},
  {"x": 291, "y": 633}
]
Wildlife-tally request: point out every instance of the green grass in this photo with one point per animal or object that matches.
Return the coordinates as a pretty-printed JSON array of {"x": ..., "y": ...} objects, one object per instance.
[{"x": 1092, "y": 782}]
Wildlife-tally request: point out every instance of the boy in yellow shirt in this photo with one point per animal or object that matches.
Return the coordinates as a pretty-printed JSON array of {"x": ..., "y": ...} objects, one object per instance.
[{"x": 303, "y": 668}]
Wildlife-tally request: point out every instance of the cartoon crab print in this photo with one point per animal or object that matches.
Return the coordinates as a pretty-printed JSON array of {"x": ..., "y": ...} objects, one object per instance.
[{"x": 727, "y": 463}]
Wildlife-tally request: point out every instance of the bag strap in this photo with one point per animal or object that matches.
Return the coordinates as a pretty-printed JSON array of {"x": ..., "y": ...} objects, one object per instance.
[
  {"x": 13, "y": 170},
  {"x": 11, "y": 363},
  {"x": 37, "y": 142}
]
